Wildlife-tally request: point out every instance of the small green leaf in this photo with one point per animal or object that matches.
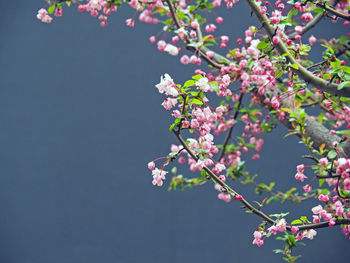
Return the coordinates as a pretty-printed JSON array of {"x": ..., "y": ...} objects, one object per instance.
[
  {"x": 332, "y": 154},
  {"x": 343, "y": 84},
  {"x": 197, "y": 77},
  {"x": 296, "y": 221},
  {"x": 189, "y": 83},
  {"x": 51, "y": 9},
  {"x": 295, "y": 66}
]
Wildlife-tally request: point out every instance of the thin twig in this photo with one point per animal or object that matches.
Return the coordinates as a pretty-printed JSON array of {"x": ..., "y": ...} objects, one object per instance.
[{"x": 228, "y": 135}]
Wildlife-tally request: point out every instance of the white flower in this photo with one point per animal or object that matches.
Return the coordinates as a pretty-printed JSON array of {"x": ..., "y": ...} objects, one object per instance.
[
  {"x": 172, "y": 50},
  {"x": 202, "y": 84}
]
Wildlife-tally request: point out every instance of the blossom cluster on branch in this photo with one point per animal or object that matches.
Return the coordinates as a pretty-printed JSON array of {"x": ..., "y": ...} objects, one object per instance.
[{"x": 263, "y": 79}]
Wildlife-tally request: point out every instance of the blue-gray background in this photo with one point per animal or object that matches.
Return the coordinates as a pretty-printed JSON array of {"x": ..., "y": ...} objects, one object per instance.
[{"x": 79, "y": 120}]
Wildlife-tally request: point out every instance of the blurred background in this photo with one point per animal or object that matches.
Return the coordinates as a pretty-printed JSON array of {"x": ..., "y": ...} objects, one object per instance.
[{"x": 79, "y": 121}]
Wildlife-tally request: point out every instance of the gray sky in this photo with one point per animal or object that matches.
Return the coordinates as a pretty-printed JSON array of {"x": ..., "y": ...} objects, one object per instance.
[{"x": 80, "y": 119}]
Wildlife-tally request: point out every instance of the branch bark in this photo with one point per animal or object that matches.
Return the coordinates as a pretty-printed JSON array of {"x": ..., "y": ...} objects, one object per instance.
[{"x": 302, "y": 72}]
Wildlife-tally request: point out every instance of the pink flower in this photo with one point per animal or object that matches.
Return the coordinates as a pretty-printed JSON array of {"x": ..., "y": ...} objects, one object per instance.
[
  {"x": 307, "y": 16},
  {"x": 300, "y": 177},
  {"x": 275, "y": 39},
  {"x": 58, "y": 12},
  {"x": 210, "y": 28},
  {"x": 152, "y": 39},
  {"x": 41, "y": 13},
  {"x": 151, "y": 165},
  {"x": 323, "y": 198},
  {"x": 275, "y": 103},
  {"x": 307, "y": 188},
  {"x": 169, "y": 103},
  {"x": 323, "y": 161},
  {"x": 310, "y": 233},
  {"x": 210, "y": 54},
  {"x": 185, "y": 59},
  {"x": 219, "y": 20},
  {"x": 158, "y": 177},
  {"x": 202, "y": 84},
  {"x": 298, "y": 29},
  {"x": 317, "y": 209},
  {"x": 172, "y": 50},
  {"x": 194, "y": 24},
  {"x": 312, "y": 40},
  {"x": 300, "y": 168},
  {"x": 130, "y": 22},
  {"x": 331, "y": 222},
  {"x": 257, "y": 238},
  {"x": 224, "y": 39},
  {"x": 46, "y": 19},
  {"x": 294, "y": 229}
]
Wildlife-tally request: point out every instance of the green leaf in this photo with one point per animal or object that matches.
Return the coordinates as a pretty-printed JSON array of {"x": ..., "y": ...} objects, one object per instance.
[
  {"x": 278, "y": 73},
  {"x": 171, "y": 127},
  {"x": 189, "y": 83},
  {"x": 296, "y": 221},
  {"x": 295, "y": 66},
  {"x": 343, "y": 84},
  {"x": 335, "y": 64},
  {"x": 51, "y": 9},
  {"x": 174, "y": 170},
  {"x": 332, "y": 154},
  {"x": 303, "y": 218},
  {"x": 197, "y": 77},
  {"x": 321, "y": 182},
  {"x": 196, "y": 101},
  {"x": 263, "y": 44}
]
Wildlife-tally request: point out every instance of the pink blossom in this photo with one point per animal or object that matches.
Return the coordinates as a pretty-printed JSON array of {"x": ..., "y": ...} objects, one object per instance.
[
  {"x": 300, "y": 168},
  {"x": 298, "y": 29},
  {"x": 307, "y": 188},
  {"x": 202, "y": 84},
  {"x": 257, "y": 238},
  {"x": 317, "y": 209},
  {"x": 300, "y": 177},
  {"x": 210, "y": 54},
  {"x": 275, "y": 103},
  {"x": 323, "y": 161},
  {"x": 210, "y": 28},
  {"x": 323, "y": 198},
  {"x": 151, "y": 165},
  {"x": 312, "y": 40},
  {"x": 219, "y": 20},
  {"x": 310, "y": 233},
  {"x": 307, "y": 16},
  {"x": 158, "y": 176},
  {"x": 169, "y": 103},
  {"x": 152, "y": 39},
  {"x": 167, "y": 86},
  {"x": 58, "y": 11},
  {"x": 130, "y": 22},
  {"x": 275, "y": 39},
  {"x": 172, "y": 50},
  {"x": 185, "y": 59},
  {"x": 294, "y": 229}
]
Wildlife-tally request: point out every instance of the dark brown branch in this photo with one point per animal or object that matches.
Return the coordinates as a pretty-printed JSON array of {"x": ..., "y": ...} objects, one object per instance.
[
  {"x": 345, "y": 221},
  {"x": 223, "y": 184},
  {"x": 172, "y": 12}
]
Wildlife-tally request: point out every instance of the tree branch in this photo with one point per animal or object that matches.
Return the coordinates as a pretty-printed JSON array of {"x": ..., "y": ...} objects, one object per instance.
[
  {"x": 302, "y": 72},
  {"x": 228, "y": 135},
  {"x": 309, "y": 25},
  {"x": 223, "y": 184}
]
